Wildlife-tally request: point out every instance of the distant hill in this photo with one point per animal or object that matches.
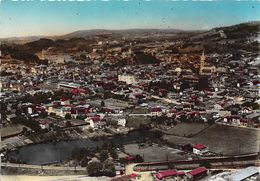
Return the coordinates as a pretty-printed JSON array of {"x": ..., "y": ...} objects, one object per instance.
[
  {"x": 233, "y": 31},
  {"x": 237, "y": 31},
  {"x": 20, "y": 40},
  {"x": 236, "y": 36},
  {"x": 86, "y": 33}
]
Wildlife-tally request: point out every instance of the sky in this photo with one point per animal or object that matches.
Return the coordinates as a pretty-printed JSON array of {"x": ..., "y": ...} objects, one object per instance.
[{"x": 31, "y": 18}]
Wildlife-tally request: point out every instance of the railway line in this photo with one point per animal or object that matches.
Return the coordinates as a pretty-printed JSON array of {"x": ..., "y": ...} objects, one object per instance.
[{"x": 213, "y": 162}]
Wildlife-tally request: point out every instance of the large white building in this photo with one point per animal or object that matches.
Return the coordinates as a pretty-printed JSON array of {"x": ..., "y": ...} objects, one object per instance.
[
  {"x": 128, "y": 79},
  {"x": 59, "y": 58}
]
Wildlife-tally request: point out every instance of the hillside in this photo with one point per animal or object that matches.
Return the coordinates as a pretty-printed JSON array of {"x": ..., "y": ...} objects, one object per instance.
[{"x": 228, "y": 39}]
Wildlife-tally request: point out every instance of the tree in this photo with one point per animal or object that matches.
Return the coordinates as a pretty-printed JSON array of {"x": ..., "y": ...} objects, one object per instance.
[
  {"x": 102, "y": 104},
  {"x": 103, "y": 155},
  {"x": 139, "y": 158},
  {"x": 109, "y": 169},
  {"x": 203, "y": 83},
  {"x": 84, "y": 162},
  {"x": 94, "y": 168},
  {"x": 68, "y": 116},
  {"x": 25, "y": 130},
  {"x": 184, "y": 85},
  {"x": 68, "y": 124},
  {"x": 52, "y": 114},
  {"x": 113, "y": 154},
  {"x": 43, "y": 114},
  {"x": 205, "y": 164}
]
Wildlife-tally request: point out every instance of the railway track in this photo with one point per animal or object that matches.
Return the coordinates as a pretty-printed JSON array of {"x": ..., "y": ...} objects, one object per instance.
[{"x": 213, "y": 162}]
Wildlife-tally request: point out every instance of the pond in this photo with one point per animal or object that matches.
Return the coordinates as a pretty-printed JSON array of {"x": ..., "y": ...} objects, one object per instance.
[{"x": 47, "y": 153}]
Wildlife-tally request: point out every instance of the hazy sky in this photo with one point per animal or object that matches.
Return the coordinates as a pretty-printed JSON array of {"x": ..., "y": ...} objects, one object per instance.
[{"x": 54, "y": 18}]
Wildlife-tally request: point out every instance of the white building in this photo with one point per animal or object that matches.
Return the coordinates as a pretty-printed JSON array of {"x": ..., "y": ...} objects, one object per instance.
[
  {"x": 129, "y": 79},
  {"x": 199, "y": 149},
  {"x": 30, "y": 111},
  {"x": 121, "y": 122}
]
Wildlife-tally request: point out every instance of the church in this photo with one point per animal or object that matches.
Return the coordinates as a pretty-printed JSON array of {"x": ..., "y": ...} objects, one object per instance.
[{"x": 206, "y": 69}]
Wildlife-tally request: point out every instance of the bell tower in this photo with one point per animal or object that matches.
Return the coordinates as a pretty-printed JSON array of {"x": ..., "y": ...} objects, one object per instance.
[{"x": 202, "y": 62}]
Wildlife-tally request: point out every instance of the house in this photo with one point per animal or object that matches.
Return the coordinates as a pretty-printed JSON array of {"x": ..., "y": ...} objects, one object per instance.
[
  {"x": 156, "y": 111},
  {"x": 187, "y": 107},
  {"x": 96, "y": 122},
  {"x": 10, "y": 116},
  {"x": 171, "y": 112},
  {"x": 121, "y": 122},
  {"x": 44, "y": 124},
  {"x": 246, "y": 110},
  {"x": 234, "y": 119},
  {"x": 197, "y": 173},
  {"x": 199, "y": 149},
  {"x": 65, "y": 101}
]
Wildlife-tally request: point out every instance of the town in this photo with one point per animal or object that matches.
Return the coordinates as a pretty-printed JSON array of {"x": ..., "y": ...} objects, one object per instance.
[{"x": 133, "y": 105}]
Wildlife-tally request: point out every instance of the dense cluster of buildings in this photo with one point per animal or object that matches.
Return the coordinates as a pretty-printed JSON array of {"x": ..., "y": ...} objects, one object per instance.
[{"x": 101, "y": 94}]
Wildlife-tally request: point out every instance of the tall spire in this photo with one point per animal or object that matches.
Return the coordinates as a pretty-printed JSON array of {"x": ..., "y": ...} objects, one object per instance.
[{"x": 202, "y": 61}]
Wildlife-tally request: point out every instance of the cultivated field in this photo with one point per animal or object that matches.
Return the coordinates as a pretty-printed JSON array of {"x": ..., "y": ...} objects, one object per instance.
[
  {"x": 223, "y": 139},
  {"x": 187, "y": 129}
]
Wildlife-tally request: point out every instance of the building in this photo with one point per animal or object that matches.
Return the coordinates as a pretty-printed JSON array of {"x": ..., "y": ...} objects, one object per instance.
[
  {"x": 121, "y": 122},
  {"x": 156, "y": 111},
  {"x": 58, "y": 58},
  {"x": 199, "y": 149},
  {"x": 245, "y": 174},
  {"x": 197, "y": 173},
  {"x": 44, "y": 124},
  {"x": 68, "y": 85},
  {"x": 167, "y": 173},
  {"x": 205, "y": 69},
  {"x": 96, "y": 122},
  {"x": 128, "y": 79}
]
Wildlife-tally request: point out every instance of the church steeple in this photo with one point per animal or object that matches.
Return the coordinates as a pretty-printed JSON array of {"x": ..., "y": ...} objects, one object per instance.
[{"x": 202, "y": 61}]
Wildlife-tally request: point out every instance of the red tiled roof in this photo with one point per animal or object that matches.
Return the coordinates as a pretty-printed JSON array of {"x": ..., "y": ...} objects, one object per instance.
[
  {"x": 181, "y": 173},
  {"x": 199, "y": 146},
  {"x": 64, "y": 99},
  {"x": 95, "y": 118},
  {"x": 133, "y": 175},
  {"x": 128, "y": 158},
  {"x": 167, "y": 173},
  {"x": 43, "y": 122},
  {"x": 155, "y": 109},
  {"x": 197, "y": 171},
  {"x": 172, "y": 111}
]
